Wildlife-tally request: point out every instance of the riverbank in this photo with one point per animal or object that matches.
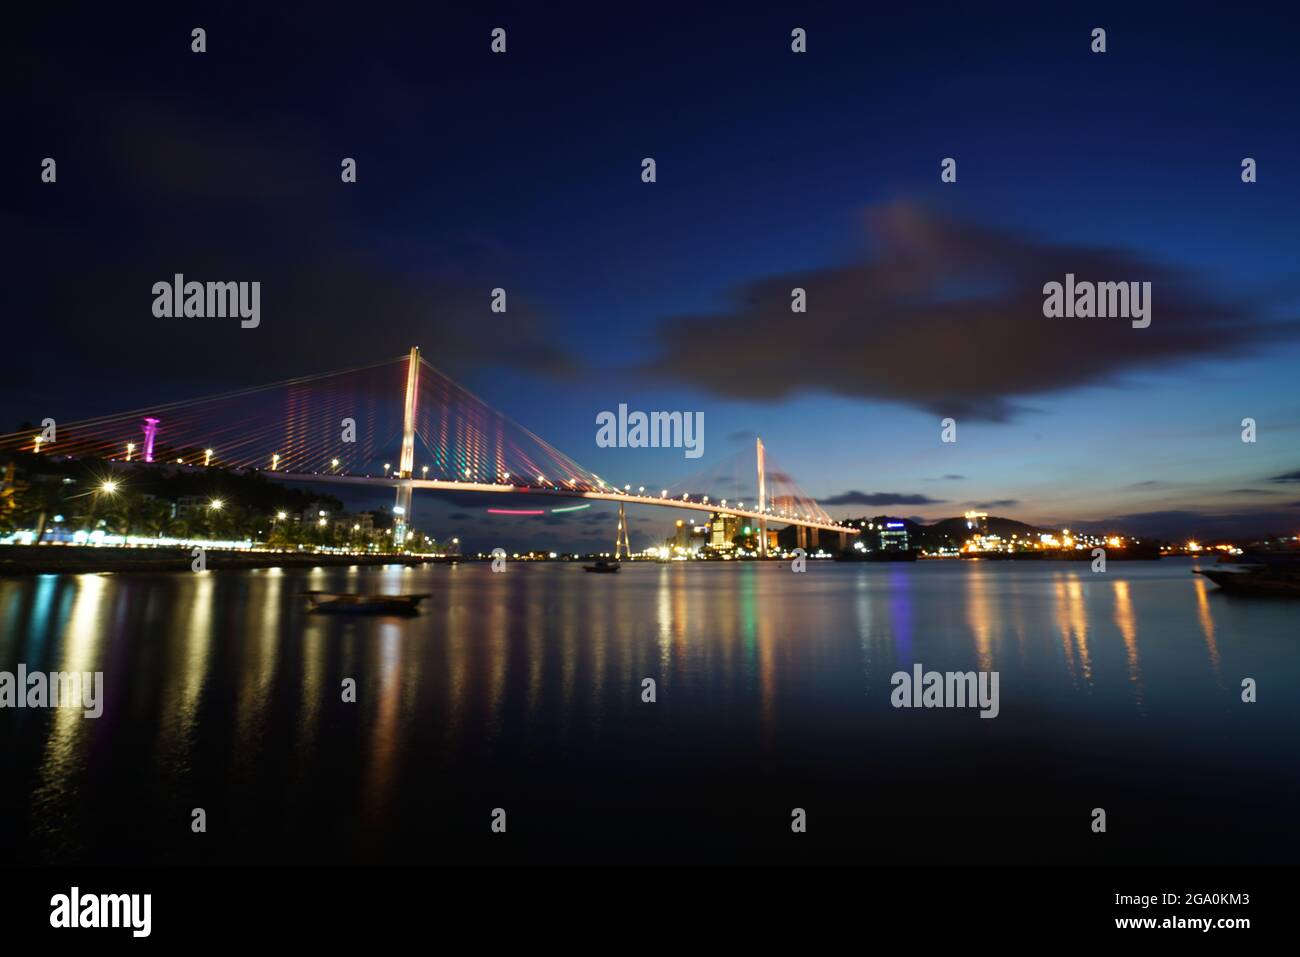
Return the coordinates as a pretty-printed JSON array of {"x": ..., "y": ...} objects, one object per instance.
[{"x": 83, "y": 559}]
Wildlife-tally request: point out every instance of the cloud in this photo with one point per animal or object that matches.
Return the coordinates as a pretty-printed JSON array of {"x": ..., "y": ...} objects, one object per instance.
[
  {"x": 1287, "y": 477},
  {"x": 997, "y": 503},
  {"x": 946, "y": 316},
  {"x": 880, "y": 498}
]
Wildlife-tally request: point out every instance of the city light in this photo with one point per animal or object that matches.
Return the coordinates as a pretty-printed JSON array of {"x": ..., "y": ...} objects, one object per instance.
[
  {"x": 207, "y": 457},
  {"x": 108, "y": 486},
  {"x": 216, "y": 504}
]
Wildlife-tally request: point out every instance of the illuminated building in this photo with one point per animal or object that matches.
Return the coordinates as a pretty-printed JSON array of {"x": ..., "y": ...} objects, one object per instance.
[
  {"x": 722, "y": 529},
  {"x": 893, "y": 537}
]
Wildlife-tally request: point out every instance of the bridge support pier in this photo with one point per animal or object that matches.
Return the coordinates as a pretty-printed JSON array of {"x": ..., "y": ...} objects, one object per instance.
[
  {"x": 801, "y": 537},
  {"x": 762, "y": 502},
  {"x": 402, "y": 507},
  {"x": 844, "y": 540},
  {"x": 815, "y": 534},
  {"x": 621, "y": 540}
]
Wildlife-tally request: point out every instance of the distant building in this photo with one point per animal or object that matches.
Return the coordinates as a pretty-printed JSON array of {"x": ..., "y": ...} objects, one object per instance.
[
  {"x": 723, "y": 529},
  {"x": 977, "y": 523},
  {"x": 687, "y": 538},
  {"x": 893, "y": 537}
]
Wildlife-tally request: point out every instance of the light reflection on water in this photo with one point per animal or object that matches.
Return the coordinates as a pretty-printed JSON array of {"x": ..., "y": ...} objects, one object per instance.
[{"x": 223, "y": 692}]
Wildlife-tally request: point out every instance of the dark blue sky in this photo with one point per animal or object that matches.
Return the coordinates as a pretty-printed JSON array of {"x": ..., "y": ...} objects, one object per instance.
[{"x": 774, "y": 170}]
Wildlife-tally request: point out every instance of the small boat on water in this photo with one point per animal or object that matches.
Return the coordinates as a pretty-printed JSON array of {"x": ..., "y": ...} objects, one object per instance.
[
  {"x": 349, "y": 603},
  {"x": 602, "y": 567},
  {"x": 1261, "y": 573}
]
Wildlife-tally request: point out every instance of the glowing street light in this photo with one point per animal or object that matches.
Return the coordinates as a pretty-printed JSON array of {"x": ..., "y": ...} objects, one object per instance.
[
  {"x": 108, "y": 486},
  {"x": 275, "y": 461},
  {"x": 207, "y": 457},
  {"x": 424, "y": 471},
  {"x": 39, "y": 439},
  {"x": 216, "y": 504},
  {"x": 281, "y": 516},
  {"x": 334, "y": 463},
  {"x": 386, "y": 468},
  {"x": 130, "y": 448}
]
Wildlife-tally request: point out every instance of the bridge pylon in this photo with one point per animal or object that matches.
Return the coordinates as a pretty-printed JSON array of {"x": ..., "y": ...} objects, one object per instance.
[
  {"x": 621, "y": 540},
  {"x": 762, "y": 503},
  {"x": 402, "y": 507}
]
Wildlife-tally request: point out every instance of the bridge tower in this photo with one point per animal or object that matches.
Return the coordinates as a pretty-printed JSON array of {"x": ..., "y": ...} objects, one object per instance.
[
  {"x": 621, "y": 540},
  {"x": 762, "y": 503},
  {"x": 406, "y": 465}
]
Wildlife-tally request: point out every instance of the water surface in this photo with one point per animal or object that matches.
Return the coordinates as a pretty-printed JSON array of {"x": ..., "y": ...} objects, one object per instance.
[{"x": 523, "y": 691}]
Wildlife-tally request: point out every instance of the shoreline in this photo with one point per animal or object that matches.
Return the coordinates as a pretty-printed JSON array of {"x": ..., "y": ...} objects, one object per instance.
[{"x": 16, "y": 560}]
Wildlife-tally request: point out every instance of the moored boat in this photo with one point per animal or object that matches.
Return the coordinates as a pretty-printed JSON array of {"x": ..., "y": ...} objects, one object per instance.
[
  {"x": 1255, "y": 580},
  {"x": 602, "y": 567},
  {"x": 356, "y": 604}
]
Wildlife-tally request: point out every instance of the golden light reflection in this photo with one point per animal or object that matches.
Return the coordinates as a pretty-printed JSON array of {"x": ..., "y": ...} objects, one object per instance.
[
  {"x": 82, "y": 651},
  {"x": 1126, "y": 622},
  {"x": 386, "y": 738},
  {"x": 1207, "y": 626},
  {"x": 979, "y": 617}
]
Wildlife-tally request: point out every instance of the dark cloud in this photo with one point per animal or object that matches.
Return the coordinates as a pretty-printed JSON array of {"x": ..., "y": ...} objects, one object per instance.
[
  {"x": 997, "y": 503},
  {"x": 1287, "y": 477},
  {"x": 880, "y": 498},
  {"x": 946, "y": 316}
]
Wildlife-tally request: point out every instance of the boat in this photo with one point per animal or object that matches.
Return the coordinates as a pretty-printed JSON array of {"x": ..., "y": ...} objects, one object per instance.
[
  {"x": 1263, "y": 578},
  {"x": 602, "y": 567},
  {"x": 350, "y": 603}
]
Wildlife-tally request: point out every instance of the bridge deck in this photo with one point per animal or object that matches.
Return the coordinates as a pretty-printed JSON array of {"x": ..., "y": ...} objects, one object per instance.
[{"x": 390, "y": 482}]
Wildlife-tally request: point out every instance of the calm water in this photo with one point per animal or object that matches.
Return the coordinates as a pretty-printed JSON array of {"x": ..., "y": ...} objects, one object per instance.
[{"x": 522, "y": 691}]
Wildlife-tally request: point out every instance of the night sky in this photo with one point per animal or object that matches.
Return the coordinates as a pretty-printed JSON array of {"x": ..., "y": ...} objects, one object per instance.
[{"x": 775, "y": 170}]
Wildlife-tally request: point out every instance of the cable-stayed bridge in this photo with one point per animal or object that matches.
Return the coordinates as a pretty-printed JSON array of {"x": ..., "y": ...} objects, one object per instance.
[{"x": 403, "y": 424}]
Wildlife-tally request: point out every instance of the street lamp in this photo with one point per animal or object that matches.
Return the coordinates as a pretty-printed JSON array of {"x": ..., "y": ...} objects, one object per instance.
[
  {"x": 275, "y": 461},
  {"x": 424, "y": 471},
  {"x": 130, "y": 448},
  {"x": 108, "y": 486},
  {"x": 334, "y": 463},
  {"x": 207, "y": 457},
  {"x": 386, "y": 468},
  {"x": 216, "y": 504}
]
